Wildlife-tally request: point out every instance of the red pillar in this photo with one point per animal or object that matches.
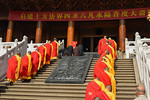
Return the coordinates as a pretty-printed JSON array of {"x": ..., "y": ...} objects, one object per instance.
[
  {"x": 9, "y": 31},
  {"x": 70, "y": 33},
  {"x": 122, "y": 34},
  {"x": 38, "y": 32}
]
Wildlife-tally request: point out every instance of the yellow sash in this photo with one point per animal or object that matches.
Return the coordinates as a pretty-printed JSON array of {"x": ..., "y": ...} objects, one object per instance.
[{"x": 101, "y": 85}]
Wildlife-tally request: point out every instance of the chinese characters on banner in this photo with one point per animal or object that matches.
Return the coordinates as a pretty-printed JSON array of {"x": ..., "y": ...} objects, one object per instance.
[{"x": 79, "y": 15}]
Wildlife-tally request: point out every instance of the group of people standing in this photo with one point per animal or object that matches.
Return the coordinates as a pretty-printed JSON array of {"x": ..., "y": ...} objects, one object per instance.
[
  {"x": 103, "y": 87},
  {"x": 27, "y": 67},
  {"x": 72, "y": 50}
]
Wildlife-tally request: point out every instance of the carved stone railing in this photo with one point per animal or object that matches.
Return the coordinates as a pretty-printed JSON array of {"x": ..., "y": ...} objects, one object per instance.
[
  {"x": 6, "y": 53},
  {"x": 32, "y": 46},
  {"x": 143, "y": 60},
  {"x": 129, "y": 48}
]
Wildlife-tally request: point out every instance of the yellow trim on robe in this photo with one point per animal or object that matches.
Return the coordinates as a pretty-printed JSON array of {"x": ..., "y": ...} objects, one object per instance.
[
  {"x": 29, "y": 65},
  {"x": 112, "y": 51},
  {"x": 12, "y": 80},
  {"x": 51, "y": 51},
  {"x": 44, "y": 62},
  {"x": 101, "y": 84},
  {"x": 39, "y": 60},
  {"x": 110, "y": 95},
  {"x": 113, "y": 82},
  {"x": 18, "y": 67},
  {"x": 111, "y": 59},
  {"x": 111, "y": 69}
]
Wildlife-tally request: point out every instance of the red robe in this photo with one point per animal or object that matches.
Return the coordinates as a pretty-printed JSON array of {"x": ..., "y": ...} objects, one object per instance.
[
  {"x": 13, "y": 68},
  {"x": 106, "y": 47},
  {"x": 26, "y": 66},
  {"x": 100, "y": 45},
  {"x": 112, "y": 44},
  {"x": 99, "y": 68},
  {"x": 104, "y": 77},
  {"x": 102, "y": 95},
  {"x": 36, "y": 62},
  {"x": 49, "y": 52},
  {"x": 55, "y": 49},
  {"x": 92, "y": 88},
  {"x": 42, "y": 51}
]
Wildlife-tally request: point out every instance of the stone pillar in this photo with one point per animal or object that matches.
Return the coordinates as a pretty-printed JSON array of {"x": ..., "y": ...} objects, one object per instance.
[
  {"x": 70, "y": 33},
  {"x": 122, "y": 34},
  {"x": 38, "y": 32},
  {"x": 9, "y": 31}
]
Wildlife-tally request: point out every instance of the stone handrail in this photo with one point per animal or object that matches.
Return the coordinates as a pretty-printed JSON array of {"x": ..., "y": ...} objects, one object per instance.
[
  {"x": 6, "y": 53},
  {"x": 143, "y": 62},
  {"x": 129, "y": 48},
  {"x": 32, "y": 46}
]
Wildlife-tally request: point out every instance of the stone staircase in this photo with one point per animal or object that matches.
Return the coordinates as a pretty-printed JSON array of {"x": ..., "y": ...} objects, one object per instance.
[
  {"x": 37, "y": 89},
  {"x": 125, "y": 79}
]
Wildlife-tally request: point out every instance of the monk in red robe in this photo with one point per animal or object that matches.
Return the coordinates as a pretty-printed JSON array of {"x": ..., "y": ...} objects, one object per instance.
[
  {"x": 13, "y": 70},
  {"x": 42, "y": 51},
  {"x": 92, "y": 88},
  {"x": 108, "y": 47},
  {"x": 112, "y": 79},
  {"x": 26, "y": 66},
  {"x": 36, "y": 62},
  {"x": 104, "y": 77},
  {"x": 101, "y": 43},
  {"x": 113, "y": 43},
  {"x": 55, "y": 49},
  {"x": 49, "y": 52},
  {"x": 99, "y": 67}
]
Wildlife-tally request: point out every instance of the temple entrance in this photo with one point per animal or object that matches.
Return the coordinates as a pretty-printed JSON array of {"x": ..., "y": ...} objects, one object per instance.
[{"x": 86, "y": 44}]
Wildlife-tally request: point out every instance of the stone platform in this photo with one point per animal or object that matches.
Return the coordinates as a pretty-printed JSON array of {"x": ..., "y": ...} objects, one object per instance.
[{"x": 71, "y": 69}]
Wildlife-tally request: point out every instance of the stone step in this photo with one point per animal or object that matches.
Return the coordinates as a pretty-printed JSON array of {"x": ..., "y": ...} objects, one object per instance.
[
  {"x": 7, "y": 97},
  {"x": 123, "y": 64},
  {"x": 122, "y": 68},
  {"x": 133, "y": 75},
  {"x": 125, "y": 78},
  {"x": 125, "y": 81},
  {"x": 126, "y": 93},
  {"x": 125, "y": 97},
  {"x": 45, "y": 94},
  {"x": 126, "y": 85},
  {"x": 44, "y": 87},
  {"x": 120, "y": 89},
  {"x": 124, "y": 73},
  {"x": 28, "y": 90}
]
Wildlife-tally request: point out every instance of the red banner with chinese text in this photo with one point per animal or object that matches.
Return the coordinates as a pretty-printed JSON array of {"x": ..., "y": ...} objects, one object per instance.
[{"x": 79, "y": 15}]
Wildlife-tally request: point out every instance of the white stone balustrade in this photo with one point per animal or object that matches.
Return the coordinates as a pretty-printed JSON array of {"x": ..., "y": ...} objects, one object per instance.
[
  {"x": 6, "y": 53},
  {"x": 14, "y": 47},
  {"x": 142, "y": 52}
]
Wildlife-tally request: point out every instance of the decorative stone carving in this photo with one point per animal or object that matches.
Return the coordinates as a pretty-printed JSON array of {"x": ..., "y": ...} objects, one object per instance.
[{"x": 70, "y": 69}]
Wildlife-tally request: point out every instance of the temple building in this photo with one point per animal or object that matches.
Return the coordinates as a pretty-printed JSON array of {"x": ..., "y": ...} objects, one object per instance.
[{"x": 118, "y": 19}]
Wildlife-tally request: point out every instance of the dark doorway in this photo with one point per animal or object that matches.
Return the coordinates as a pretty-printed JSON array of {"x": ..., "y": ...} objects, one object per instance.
[
  {"x": 96, "y": 40},
  {"x": 86, "y": 44}
]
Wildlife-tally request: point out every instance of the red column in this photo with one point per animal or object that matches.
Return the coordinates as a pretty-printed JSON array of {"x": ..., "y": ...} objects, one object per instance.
[
  {"x": 38, "y": 32},
  {"x": 9, "y": 31},
  {"x": 70, "y": 33},
  {"x": 122, "y": 34}
]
